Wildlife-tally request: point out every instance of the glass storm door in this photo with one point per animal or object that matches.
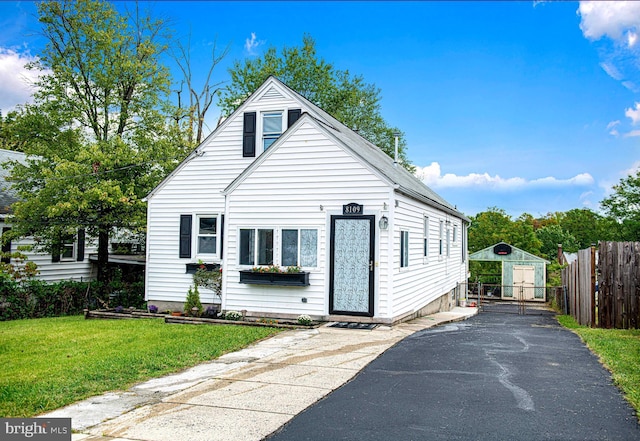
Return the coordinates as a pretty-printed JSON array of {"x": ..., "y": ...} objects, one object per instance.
[{"x": 352, "y": 254}]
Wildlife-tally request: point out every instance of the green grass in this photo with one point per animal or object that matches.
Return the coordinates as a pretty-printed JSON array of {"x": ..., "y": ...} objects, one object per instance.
[
  {"x": 48, "y": 363},
  {"x": 619, "y": 352}
]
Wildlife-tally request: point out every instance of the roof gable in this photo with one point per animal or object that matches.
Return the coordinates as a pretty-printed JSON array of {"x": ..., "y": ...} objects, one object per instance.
[
  {"x": 271, "y": 89},
  {"x": 488, "y": 255},
  {"x": 322, "y": 127},
  {"x": 403, "y": 181}
]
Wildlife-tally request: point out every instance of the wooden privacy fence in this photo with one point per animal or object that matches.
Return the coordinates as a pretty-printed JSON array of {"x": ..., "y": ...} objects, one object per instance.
[
  {"x": 619, "y": 285},
  {"x": 614, "y": 302},
  {"x": 579, "y": 282}
]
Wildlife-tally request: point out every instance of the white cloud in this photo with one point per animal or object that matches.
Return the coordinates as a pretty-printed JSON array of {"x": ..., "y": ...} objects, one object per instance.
[
  {"x": 432, "y": 176},
  {"x": 15, "y": 80},
  {"x": 607, "y": 184},
  {"x": 632, "y": 134},
  {"x": 633, "y": 114},
  {"x": 615, "y": 20},
  {"x": 612, "y": 127},
  {"x": 611, "y": 70},
  {"x": 251, "y": 44}
]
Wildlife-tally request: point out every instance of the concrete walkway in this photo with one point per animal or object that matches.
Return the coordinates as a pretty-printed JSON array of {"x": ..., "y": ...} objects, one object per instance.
[{"x": 244, "y": 395}]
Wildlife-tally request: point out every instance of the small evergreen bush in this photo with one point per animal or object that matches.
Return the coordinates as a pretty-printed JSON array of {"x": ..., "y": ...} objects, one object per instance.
[{"x": 193, "y": 301}]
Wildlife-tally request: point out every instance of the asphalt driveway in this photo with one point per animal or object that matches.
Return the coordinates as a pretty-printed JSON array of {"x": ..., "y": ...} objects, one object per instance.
[{"x": 497, "y": 376}]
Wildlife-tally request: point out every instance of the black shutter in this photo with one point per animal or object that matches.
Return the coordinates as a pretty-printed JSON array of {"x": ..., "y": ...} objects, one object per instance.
[
  {"x": 221, "y": 235},
  {"x": 6, "y": 246},
  {"x": 80, "y": 257},
  {"x": 55, "y": 254},
  {"x": 249, "y": 135},
  {"x": 185, "y": 235},
  {"x": 292, "y": 116}
]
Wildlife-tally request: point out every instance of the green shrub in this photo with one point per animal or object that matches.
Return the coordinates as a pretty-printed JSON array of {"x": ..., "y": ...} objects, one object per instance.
[{"x": 193, "y": 301}]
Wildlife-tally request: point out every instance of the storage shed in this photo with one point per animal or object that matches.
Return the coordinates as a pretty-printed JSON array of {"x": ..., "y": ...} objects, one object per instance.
[{"x": 523, "y": 274}]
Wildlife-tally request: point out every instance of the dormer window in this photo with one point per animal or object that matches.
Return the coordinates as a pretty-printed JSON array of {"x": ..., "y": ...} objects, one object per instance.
[{"x": 271, "y": 128}]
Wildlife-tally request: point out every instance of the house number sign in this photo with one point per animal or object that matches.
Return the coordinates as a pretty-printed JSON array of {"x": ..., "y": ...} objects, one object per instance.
[{"x": 352, "y": 208}]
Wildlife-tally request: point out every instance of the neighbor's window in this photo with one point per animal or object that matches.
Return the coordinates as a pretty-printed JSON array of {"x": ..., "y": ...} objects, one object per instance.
[
  {"x": 455, "y": 235},
  {"x": 256, "y": 246},
  {"x": 404, "y": 249},
  {"x": 207, "y": 234},
  {"x": 271, "y": 128},
  {"x": 448, "y": 241},
  {"x": 440, "y": 244},
  {"x": 299, "y": 247},
  {"x": 68, "y": 250}
]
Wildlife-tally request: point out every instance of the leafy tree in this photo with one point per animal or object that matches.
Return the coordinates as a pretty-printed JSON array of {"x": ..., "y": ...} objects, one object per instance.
[
  {"x": 552, "y": 235},
  {"x": 587, "y": 226},
  {"x": 623, "y": 205},
  {"x": 106, "y": 143},
  {"x": 346, "y": 97},
  {"x": 495, "y": 225}
]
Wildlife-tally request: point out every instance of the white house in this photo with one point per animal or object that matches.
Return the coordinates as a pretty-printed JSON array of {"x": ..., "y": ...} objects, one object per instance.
[
  {"x": 280, "y": 182},
  {"x": 71, "y": 263}
]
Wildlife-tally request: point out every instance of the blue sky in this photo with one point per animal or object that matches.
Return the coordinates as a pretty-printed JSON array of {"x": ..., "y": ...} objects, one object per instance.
[{"x": 527, "y": 106}]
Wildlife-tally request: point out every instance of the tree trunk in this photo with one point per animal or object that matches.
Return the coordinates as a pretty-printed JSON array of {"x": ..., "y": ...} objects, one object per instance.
[{"x": 103, "y": 258}]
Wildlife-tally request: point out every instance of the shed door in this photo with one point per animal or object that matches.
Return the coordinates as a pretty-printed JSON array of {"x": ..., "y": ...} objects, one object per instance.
[
  {"x": 351, "y": 285},
  {"x": 524, "y": 282}
]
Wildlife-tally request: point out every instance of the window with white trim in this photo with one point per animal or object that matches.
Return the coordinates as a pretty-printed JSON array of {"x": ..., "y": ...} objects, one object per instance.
[
  {"x": 207, "y": 235},
  {"x": 68, "y": 250},
  {"x": 271, "y": 128},
  {"x": 441, "y": 238},
  {"x": 256, "y": 246},
  {"x": 299, "y": 247},
  {"x": 425, "y": 237},
  {"x": 455, "y": 235},
  {"x": 404, "y": 249}
]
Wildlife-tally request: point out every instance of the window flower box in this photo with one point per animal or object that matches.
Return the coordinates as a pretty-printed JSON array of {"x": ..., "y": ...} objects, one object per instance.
[
  {"x": 193, "y": 267},
  {"x": 300, "y": 278}
]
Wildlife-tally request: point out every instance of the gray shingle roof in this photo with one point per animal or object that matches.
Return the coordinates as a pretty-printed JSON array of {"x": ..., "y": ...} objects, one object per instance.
[
  {"x": 406, "y": 182},
  {"x": 7, "y": 194}
]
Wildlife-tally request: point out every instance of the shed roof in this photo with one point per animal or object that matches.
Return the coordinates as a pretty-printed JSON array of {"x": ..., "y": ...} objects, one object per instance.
[{"x": 488, "y": 255}]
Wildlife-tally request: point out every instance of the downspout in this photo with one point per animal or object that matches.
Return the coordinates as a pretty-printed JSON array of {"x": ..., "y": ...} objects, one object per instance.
[{"x": 223, "y": 261}]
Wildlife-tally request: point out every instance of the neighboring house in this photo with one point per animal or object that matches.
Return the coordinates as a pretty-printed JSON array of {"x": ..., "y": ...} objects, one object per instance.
[
  {"x": 281, "y": 182},
  {"x": 71, "y": 263},
  {"x": 565, "y": 258},
  {"x": 524, "y": 276}
]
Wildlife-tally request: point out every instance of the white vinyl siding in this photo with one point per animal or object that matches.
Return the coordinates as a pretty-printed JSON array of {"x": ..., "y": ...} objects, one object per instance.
[
  {"x": 195, "y": 188},
  {"x": 66, "y": 269},
  {"x": 299, "y": 188},
  {"x": 418, "y": 285}
]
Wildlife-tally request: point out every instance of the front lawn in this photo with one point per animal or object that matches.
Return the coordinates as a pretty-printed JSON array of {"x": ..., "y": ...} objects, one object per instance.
[
  {"x": 619, "y": 351},
  {"x": 49, "y": 363}
]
